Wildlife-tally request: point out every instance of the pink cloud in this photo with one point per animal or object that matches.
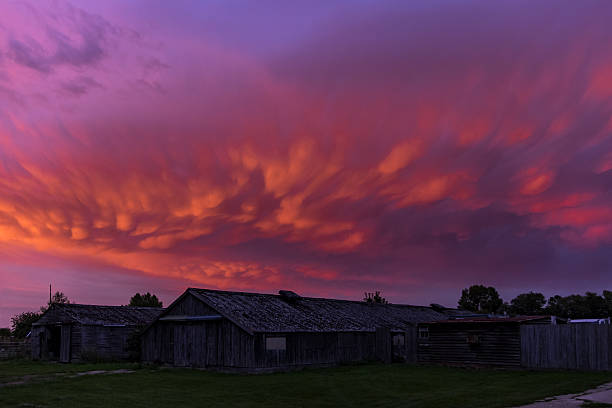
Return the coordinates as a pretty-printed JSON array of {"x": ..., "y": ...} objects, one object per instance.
[{"x": 333, "y": 162}]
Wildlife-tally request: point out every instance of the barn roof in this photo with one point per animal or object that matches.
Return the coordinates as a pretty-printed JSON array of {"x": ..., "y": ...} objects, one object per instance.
[
  {"x": 257, "y": 312},
  {"x": 99, "y": 315},
  {"x": 515, "y": 319}
]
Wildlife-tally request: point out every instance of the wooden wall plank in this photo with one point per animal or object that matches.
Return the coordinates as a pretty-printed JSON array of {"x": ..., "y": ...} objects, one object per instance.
[{"x": 572, "y": 346}]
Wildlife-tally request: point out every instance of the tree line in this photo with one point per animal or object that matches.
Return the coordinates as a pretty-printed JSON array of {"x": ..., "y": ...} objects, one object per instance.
[
  {"x": 21, "y": 324},
  {"x": 486, "y": 299}
]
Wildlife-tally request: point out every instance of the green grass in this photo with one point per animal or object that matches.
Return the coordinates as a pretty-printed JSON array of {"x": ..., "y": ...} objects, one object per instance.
[
  {"x": 369, "y": 386},
  {"x": 15, "y": 369}
]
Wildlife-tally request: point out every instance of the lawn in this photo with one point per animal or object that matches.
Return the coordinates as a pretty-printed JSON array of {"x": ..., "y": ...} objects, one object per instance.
[
  {"x": 369, "y": 386},
  {"x": 16, "y": 369}
]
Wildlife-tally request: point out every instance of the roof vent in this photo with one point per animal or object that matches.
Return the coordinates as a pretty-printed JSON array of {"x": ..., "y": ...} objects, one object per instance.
[
  {"x": 289, "y": 296},
  {"x": 437, "y": 307}
]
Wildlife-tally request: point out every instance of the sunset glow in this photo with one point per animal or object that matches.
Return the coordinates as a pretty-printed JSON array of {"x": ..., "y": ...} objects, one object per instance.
[{"x": 330, "y": 148}]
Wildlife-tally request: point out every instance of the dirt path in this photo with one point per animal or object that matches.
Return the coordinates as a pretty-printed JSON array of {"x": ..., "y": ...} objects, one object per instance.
[
  {"x": 26, "y": 379},
  {"x": 601, "y": 394}
]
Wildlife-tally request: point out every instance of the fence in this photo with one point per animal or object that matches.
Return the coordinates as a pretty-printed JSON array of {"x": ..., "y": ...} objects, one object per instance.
[
  {"x": 568, "y": 346},
  {"x": 12, "y": 348}
]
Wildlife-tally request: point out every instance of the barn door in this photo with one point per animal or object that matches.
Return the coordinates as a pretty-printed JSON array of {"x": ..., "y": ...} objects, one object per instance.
[
  {"x": 43, "y": 350},
  {"x": 384, "y": 345},
  {"x": 65, "y": 344},
  {"x": 180, "y": 343}
]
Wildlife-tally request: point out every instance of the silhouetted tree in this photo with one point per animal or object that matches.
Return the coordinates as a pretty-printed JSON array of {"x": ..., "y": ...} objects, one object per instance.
[
  {"x": 146, "y": 300},
  {"x": 596, "y": 304},
  {"x": 374, "y": 297},
  {"x": 530, "y": 304},
  {"x": 5, "y": 332},
  {"x": 481, "y": 299},
  {"x": 22, "y": 323},
  {"x": 57, "y": 298},
  {"x": 591, "y": 305},
  {"x": 607, "y": 295}
]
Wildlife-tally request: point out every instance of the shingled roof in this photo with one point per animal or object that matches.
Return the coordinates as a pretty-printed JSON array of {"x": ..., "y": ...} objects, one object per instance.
[
  {"x": 257, "y": 312},
  {"x": 99, "y": 315}
]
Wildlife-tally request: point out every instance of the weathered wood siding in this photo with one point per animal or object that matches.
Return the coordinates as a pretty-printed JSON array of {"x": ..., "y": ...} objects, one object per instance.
[
  {"x": 223, "y": 344},
  {"x": 487, "y": 344},
  {"x": 568, "y": 346},
  {"x": 190, "y": 306},
  {"x": 64, "y": 356},
  {"x": 13, "y": 348},
  {"x": 384, "y": 346},
  {"x": 198, "y": 343},
  {"x": 75, "y": 342},
  {"x": 303, "y": 349},
  {"x": 105, "y": 342},
  {"x": 36, "y": 342},
  {"x": 82, "y": 342},
  {"x": 408, "y": 351}
]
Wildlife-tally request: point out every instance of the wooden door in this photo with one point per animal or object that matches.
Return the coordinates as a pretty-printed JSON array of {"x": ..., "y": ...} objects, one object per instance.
[
  {"x": 43, "y": 345},
  {"x": 65, "y": 344},
  {"x": 180, "y": 345},
  {"x": 167, "y": 344},
  {"x": 384, "y": 345}
]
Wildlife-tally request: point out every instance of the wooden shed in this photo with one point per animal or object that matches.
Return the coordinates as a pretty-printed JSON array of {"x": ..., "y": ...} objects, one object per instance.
[
  {"x": 253, "y": 331},
  {"x": 73, "y": 332},
  {"x": 478, "y": 341}
]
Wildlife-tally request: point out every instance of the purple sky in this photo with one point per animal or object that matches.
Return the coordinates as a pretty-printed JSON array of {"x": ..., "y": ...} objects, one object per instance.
[{"x": 326, "y": 147}]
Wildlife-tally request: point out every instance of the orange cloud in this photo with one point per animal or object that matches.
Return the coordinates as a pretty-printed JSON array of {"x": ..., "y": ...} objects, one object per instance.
[
  {"x": 332, "y": 161},
  {"x": 400, "y": 156},
  {"x": 537, "y": 183}
]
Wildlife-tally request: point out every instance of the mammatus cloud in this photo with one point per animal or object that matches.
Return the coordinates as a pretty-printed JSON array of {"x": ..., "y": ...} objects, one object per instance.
[{"x": 410, "y": 148}]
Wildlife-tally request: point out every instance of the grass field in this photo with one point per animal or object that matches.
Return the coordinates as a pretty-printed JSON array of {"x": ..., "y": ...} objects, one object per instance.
[
  {"x": 17, "y": 369},
  {"x": 369, "y": 386}
]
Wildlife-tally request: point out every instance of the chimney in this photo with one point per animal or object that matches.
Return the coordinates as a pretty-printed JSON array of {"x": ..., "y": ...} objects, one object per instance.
[{"x": 289, "y": 296}]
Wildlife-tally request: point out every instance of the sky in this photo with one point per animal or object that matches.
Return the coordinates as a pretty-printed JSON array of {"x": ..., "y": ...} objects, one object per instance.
[{"x": 326, "y": 147}]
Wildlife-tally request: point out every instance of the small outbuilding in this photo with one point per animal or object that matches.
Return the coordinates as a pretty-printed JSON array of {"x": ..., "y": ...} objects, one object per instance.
[
  {"x": 73, "y": 332},
  {"x": 476, "y": 341},
  {"x": 254, "y": 331}
]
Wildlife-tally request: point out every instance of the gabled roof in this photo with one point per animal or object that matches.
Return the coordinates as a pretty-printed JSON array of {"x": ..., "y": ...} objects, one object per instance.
[
  {"x": 99, "y": 315},
  {"x": 257, "y": 312}
]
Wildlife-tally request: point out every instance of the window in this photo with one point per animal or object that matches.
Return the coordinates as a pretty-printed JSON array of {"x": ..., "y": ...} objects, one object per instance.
[
  {"x": 399, "y": 339},
  {"x": 423, "y": 332},
  {"x": 276, "y": 343}
]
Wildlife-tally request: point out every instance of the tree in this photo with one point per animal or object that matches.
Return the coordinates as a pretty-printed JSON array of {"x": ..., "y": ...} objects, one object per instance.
[
  {"x": 529, "y": 304},
  {"x": 146, "y": 300},
  {"x": 480, "y": 299},
  {"x": 375, "y": 297},
  {"x": 57, "y": 298},
  {"x": 557, "y": 306},
  {"x": 591, "y": 305},
  {"x": 5, "y": 332},
  {"x": 596, "y": 305},
  {"x": 22, "y": 323},
  {"x": 607, "y": 295}
]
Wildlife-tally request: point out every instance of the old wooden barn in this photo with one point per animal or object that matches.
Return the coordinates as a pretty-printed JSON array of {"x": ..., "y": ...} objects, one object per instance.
[
  {"x": 253, "y": 331},
  {"x": 479, "y": 341},
  {"x": 73, "y": 332}
]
